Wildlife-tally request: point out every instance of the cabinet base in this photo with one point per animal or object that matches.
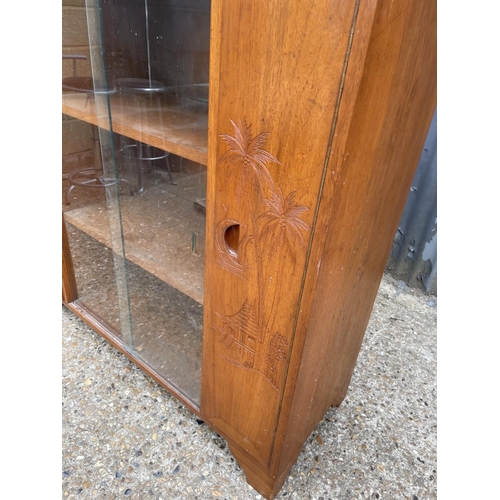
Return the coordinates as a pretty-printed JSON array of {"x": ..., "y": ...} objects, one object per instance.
[{"x": 267, "y": 485}]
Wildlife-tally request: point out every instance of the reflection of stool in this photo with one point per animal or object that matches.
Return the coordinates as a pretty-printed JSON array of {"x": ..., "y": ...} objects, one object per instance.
[
  {"x": 90, "y": 177},
  {"x": 144, "y": 152}
]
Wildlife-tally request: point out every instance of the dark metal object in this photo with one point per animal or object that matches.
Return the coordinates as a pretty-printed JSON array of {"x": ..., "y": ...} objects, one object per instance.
[
  {"x": 92, "y": 177},
  {"x": 82, "y": 84},
  {"x": 139, "y": 85},
  {"x": 195, "y": 236},
  {"x": 145, "y": 152},
  {"x": 413, "y": 257}
]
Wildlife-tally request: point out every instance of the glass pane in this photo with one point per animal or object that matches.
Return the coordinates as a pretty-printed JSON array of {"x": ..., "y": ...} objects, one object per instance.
[
  {"x": 150, "y": 105},
  {"x": 93, "y": 259}
]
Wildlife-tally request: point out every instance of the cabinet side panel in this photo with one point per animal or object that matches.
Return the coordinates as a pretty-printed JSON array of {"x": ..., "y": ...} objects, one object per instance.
[
  {"x": 370, "y": 174},
  {"x": 277, "y": 68}
]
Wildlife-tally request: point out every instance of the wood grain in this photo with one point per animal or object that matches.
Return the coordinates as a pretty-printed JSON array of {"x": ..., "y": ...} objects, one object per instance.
[
  {"x": 179, "y": 127},
  {"x": 270, "y": 53}
]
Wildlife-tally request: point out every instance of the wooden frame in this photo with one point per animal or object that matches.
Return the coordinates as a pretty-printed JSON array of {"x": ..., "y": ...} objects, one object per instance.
[{"x": 69, "y": 289}]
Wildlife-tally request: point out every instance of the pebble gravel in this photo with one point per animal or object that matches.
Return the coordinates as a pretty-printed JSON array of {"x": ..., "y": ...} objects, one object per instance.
[{"x": 124, "y": 436}]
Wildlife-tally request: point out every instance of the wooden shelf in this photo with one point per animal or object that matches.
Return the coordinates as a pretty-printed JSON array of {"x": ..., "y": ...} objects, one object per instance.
[
  {"x": 176, "y": 125},
  {"x": 157, "y": 231}
]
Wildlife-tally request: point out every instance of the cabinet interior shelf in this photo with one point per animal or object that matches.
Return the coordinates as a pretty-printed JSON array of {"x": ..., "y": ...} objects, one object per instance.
[
  {"x": 175, "y": 124},
  {"x": 157, "y": 230},
  {"x": 158, "y": 225}
]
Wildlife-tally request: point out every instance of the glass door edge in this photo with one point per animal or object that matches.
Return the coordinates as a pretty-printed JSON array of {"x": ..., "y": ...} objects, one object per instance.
[{"x": 109, "y": 333}]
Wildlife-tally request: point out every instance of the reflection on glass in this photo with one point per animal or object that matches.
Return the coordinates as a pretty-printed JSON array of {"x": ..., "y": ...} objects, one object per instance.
[
  {"x": 149, "y": 104},
  {"x": 82, "y": 178}
]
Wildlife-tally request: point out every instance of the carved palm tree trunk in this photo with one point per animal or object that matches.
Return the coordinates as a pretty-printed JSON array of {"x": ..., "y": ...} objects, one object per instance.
[
  {"x": 263, "y": 360},
  {"x": 279, "y": 278},
  {"x": 252, "y": 197}
]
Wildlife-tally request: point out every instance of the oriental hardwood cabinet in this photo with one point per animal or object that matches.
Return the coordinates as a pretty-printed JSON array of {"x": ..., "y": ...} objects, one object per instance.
[{"x": 253, "y": 161}]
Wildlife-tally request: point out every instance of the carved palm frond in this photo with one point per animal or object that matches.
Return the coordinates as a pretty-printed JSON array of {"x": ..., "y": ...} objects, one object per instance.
[
  {"x": 246, "y": 152},
  {"x": 282, "y": 215}
]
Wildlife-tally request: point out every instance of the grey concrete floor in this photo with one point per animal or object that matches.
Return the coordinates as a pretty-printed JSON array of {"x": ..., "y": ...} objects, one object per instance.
[{"x": 125, "y": 436}]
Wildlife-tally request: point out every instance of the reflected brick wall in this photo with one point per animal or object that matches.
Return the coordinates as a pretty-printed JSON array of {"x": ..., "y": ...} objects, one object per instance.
[{"x": 76, "y": 143}]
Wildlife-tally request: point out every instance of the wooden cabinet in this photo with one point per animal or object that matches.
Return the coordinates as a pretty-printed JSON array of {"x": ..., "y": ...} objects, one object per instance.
[{"x": 242, "y": 277}]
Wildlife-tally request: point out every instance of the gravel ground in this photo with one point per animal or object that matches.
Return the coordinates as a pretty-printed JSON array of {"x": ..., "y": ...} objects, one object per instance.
[{"x": 125, "y": 436}]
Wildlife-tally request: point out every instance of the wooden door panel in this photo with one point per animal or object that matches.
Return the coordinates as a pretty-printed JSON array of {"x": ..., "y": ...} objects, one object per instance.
[{"x": 277, "y": 78}]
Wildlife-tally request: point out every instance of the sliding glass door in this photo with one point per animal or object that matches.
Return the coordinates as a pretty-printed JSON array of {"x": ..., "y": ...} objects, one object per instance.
[{"x": 135, "y": 106}]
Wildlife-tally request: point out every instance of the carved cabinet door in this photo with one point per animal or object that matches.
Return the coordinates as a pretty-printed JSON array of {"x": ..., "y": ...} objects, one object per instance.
[{"x": 275, "y": 78}]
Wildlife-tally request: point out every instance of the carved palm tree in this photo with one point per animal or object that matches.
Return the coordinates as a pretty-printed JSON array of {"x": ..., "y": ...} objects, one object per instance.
[
  {"x": 247, "y": 160},
  {"x": 282, "y": 218},
  {"x": 246, "y": 153},
  {"x": 283, "y": 223}
]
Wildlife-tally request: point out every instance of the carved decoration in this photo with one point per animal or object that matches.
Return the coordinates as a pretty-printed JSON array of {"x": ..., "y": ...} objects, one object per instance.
[
  {"x": 282, "y": 218},
  {"x": 276, "y": 352},
  {"x": 238, "y": 335},
  {"x": 275, "y": 227},
  {"x": 246, "y": 157}
]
